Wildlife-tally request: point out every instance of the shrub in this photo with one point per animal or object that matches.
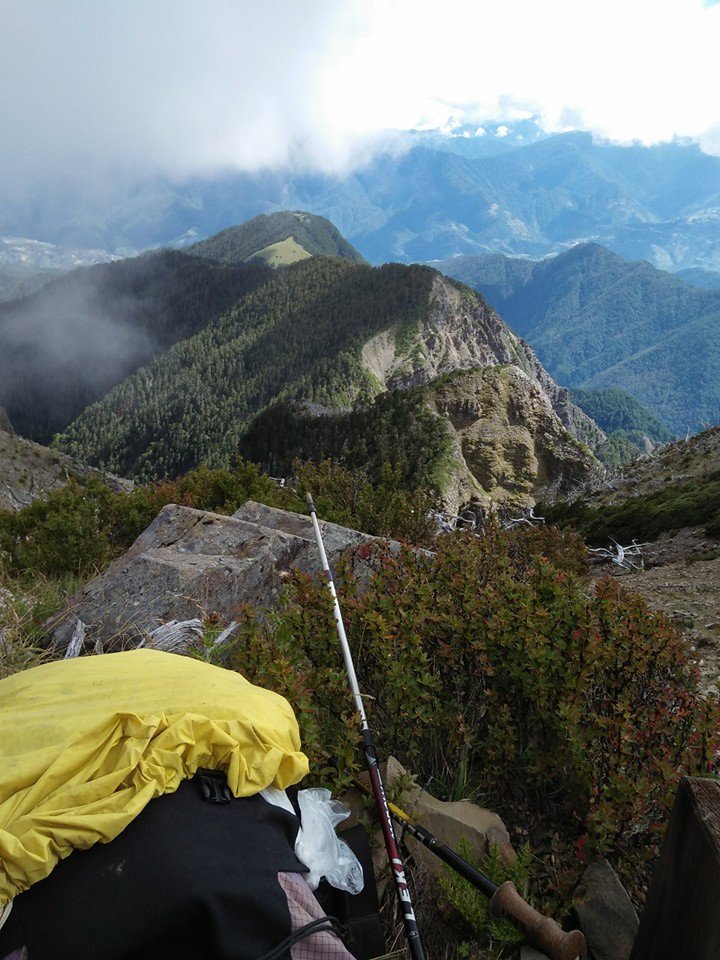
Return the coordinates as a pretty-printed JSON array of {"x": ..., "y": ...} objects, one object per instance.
[
  {"x": 25, "y": 604},
  {"x": 692, "y": 502},
  {"x": 70, "y": 531},
  {"x": 84, "y": 525},
  {"x": 385, "y": 508},
  {"x": 490, "y": 670}
]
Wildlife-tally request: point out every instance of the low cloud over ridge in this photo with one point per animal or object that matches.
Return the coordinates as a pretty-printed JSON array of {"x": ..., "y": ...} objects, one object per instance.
[{"x": 99, "y": 92}]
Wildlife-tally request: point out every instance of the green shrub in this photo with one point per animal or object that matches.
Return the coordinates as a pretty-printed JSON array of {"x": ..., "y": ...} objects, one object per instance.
[
  {"x": 83, "y": 526},
  {"x": 491, "y": 933},
  {"x": 491, "y": 671},
  {"x": 384, "y": 509},
  {"x": 25, "y": 604},
  {"x": 70, "y": 531},
  {"x": 688, "y": 503}
]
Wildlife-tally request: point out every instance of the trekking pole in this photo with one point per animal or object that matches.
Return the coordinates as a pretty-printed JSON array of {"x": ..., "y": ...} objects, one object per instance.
[
  {"x": 401, "y": 886},
  {"x": 505, "y": 901}
]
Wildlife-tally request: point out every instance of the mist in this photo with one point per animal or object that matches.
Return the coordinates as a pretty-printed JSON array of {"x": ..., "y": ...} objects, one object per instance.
[
  {"x": 94, "y": 96},
  {"x": 65, "y": 347},
  {"x": 101, "y": 93}
]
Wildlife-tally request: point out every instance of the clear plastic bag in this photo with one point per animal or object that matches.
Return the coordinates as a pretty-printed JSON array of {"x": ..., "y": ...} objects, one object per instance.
[{"x": 319, "y": 847}]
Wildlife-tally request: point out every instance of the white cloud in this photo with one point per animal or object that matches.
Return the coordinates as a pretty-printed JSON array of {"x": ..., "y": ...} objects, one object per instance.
[
  {"x": 627, "y": 69},
  {"x": 104, "y": 89}
]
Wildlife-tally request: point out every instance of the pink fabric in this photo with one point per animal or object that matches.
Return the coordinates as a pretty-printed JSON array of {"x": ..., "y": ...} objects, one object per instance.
[{"x": 304, "y": 908}]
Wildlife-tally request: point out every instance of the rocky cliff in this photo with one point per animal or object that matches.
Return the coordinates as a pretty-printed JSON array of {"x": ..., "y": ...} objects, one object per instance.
[
  {"x": 461, "y": 331},
  {"x": 29, "y": 471},
  {"x": 510, "y": 445}
]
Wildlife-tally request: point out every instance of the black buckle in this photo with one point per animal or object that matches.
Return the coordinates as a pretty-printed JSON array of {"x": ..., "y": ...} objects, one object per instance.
[{"x": 213, "y": 786}]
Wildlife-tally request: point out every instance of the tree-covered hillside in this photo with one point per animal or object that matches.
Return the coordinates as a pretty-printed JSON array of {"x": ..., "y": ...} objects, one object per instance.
[
  {"x": 69, "y": 343},
  {"x": 621, "y": 416},
  {"x": 315, "y": 236},
  {"x": 398, "y": 428},
  {"x": 598, "y": 321},
  {"x": 297, "y": 337}
]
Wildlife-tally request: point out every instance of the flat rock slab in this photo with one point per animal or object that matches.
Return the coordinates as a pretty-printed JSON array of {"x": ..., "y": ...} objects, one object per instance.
[{"x": 191, "y": 563}]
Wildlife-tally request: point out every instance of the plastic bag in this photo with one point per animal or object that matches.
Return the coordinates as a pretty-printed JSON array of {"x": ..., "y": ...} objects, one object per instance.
[{"x": 319, "y": 847}]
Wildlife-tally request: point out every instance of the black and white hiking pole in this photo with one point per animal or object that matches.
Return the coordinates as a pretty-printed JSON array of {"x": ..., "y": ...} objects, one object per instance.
[{"x": 403, "y": 892}]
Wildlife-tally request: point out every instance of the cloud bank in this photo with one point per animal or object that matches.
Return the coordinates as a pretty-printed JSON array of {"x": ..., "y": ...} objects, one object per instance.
[{"x": 91, "y": 91}]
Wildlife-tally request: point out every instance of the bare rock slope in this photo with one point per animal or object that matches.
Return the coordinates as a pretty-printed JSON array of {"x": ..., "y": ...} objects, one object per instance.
[
  {"x": 29, "y": 471},
  {"x": 510, "y": 444},
  {"x": 461, "y": 332}
]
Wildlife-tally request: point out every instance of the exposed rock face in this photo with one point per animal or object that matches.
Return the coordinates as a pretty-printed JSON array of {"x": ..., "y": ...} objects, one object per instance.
[
  {"x": 191, "y": 562},
  {"x": 510, "y": 441},
  {"x": 607, "y": 917},
  {"x": 29, "y": 471},
  {"x": 461, "y": 331}
]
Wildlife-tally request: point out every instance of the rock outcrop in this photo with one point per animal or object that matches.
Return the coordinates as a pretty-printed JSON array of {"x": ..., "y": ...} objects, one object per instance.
[
  {"x": 460, "y": 332},
  {"x": 606, "y": 914},
  {"x": 29, "y": 471},
  {"x": 510, "y": 444},
  {"x": 191, "y": 563},
  {"x": 450, "y": 822}
]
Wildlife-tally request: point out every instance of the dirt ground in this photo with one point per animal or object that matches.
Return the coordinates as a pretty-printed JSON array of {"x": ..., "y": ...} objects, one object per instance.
[{"x": 682, "y": 579}]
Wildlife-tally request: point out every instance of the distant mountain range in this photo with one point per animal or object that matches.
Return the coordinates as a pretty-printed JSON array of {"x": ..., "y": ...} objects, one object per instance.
[
  {"x": 598, "y": 321},
  {"x": 512, "y": 190}
]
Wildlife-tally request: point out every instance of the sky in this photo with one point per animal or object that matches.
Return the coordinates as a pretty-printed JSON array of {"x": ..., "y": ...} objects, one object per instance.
[{"x": 98, "y": 89}]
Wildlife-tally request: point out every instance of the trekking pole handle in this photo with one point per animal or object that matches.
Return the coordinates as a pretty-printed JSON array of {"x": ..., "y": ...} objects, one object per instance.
[
  {"x": 505, "y": 901},
  {"x": 540, "y": 931}
]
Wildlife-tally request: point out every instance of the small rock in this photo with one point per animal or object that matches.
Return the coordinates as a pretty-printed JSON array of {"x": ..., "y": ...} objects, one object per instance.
[
  {"x": 607, "y": 917},
  {"x": 530, "y": 953}
]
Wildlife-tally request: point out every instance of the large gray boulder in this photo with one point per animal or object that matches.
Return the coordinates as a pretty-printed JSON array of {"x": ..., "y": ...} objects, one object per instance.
[{"x": 191, "y": 563}]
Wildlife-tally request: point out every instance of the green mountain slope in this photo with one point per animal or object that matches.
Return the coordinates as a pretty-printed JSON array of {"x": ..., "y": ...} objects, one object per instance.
[
  {"x": 399, "y": 428},
  {"x": 331, "y": 358},
  {"x": 277, "y": 239},
  {"x": 697, "y": 277},
  {"x": 596, "y": 321},
  {"x": 298, "y": 336},
  {"x": 66, "y": 345}
]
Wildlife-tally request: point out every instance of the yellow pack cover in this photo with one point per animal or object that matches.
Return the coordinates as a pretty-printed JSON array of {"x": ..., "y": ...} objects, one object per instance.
[{"x": 86, "y": 743}]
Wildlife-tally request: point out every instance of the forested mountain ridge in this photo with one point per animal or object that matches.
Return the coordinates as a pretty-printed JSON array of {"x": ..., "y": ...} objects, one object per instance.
[
  {"x": 598, "y": 321},
  {"x": 322, "y": 332},
  {"x": 66, "y": 345},
  {"x": 277, "y": 239}
]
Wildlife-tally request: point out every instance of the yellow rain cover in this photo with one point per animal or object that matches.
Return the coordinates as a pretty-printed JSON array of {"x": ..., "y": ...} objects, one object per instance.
[{"x": 86, "y": 743}]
